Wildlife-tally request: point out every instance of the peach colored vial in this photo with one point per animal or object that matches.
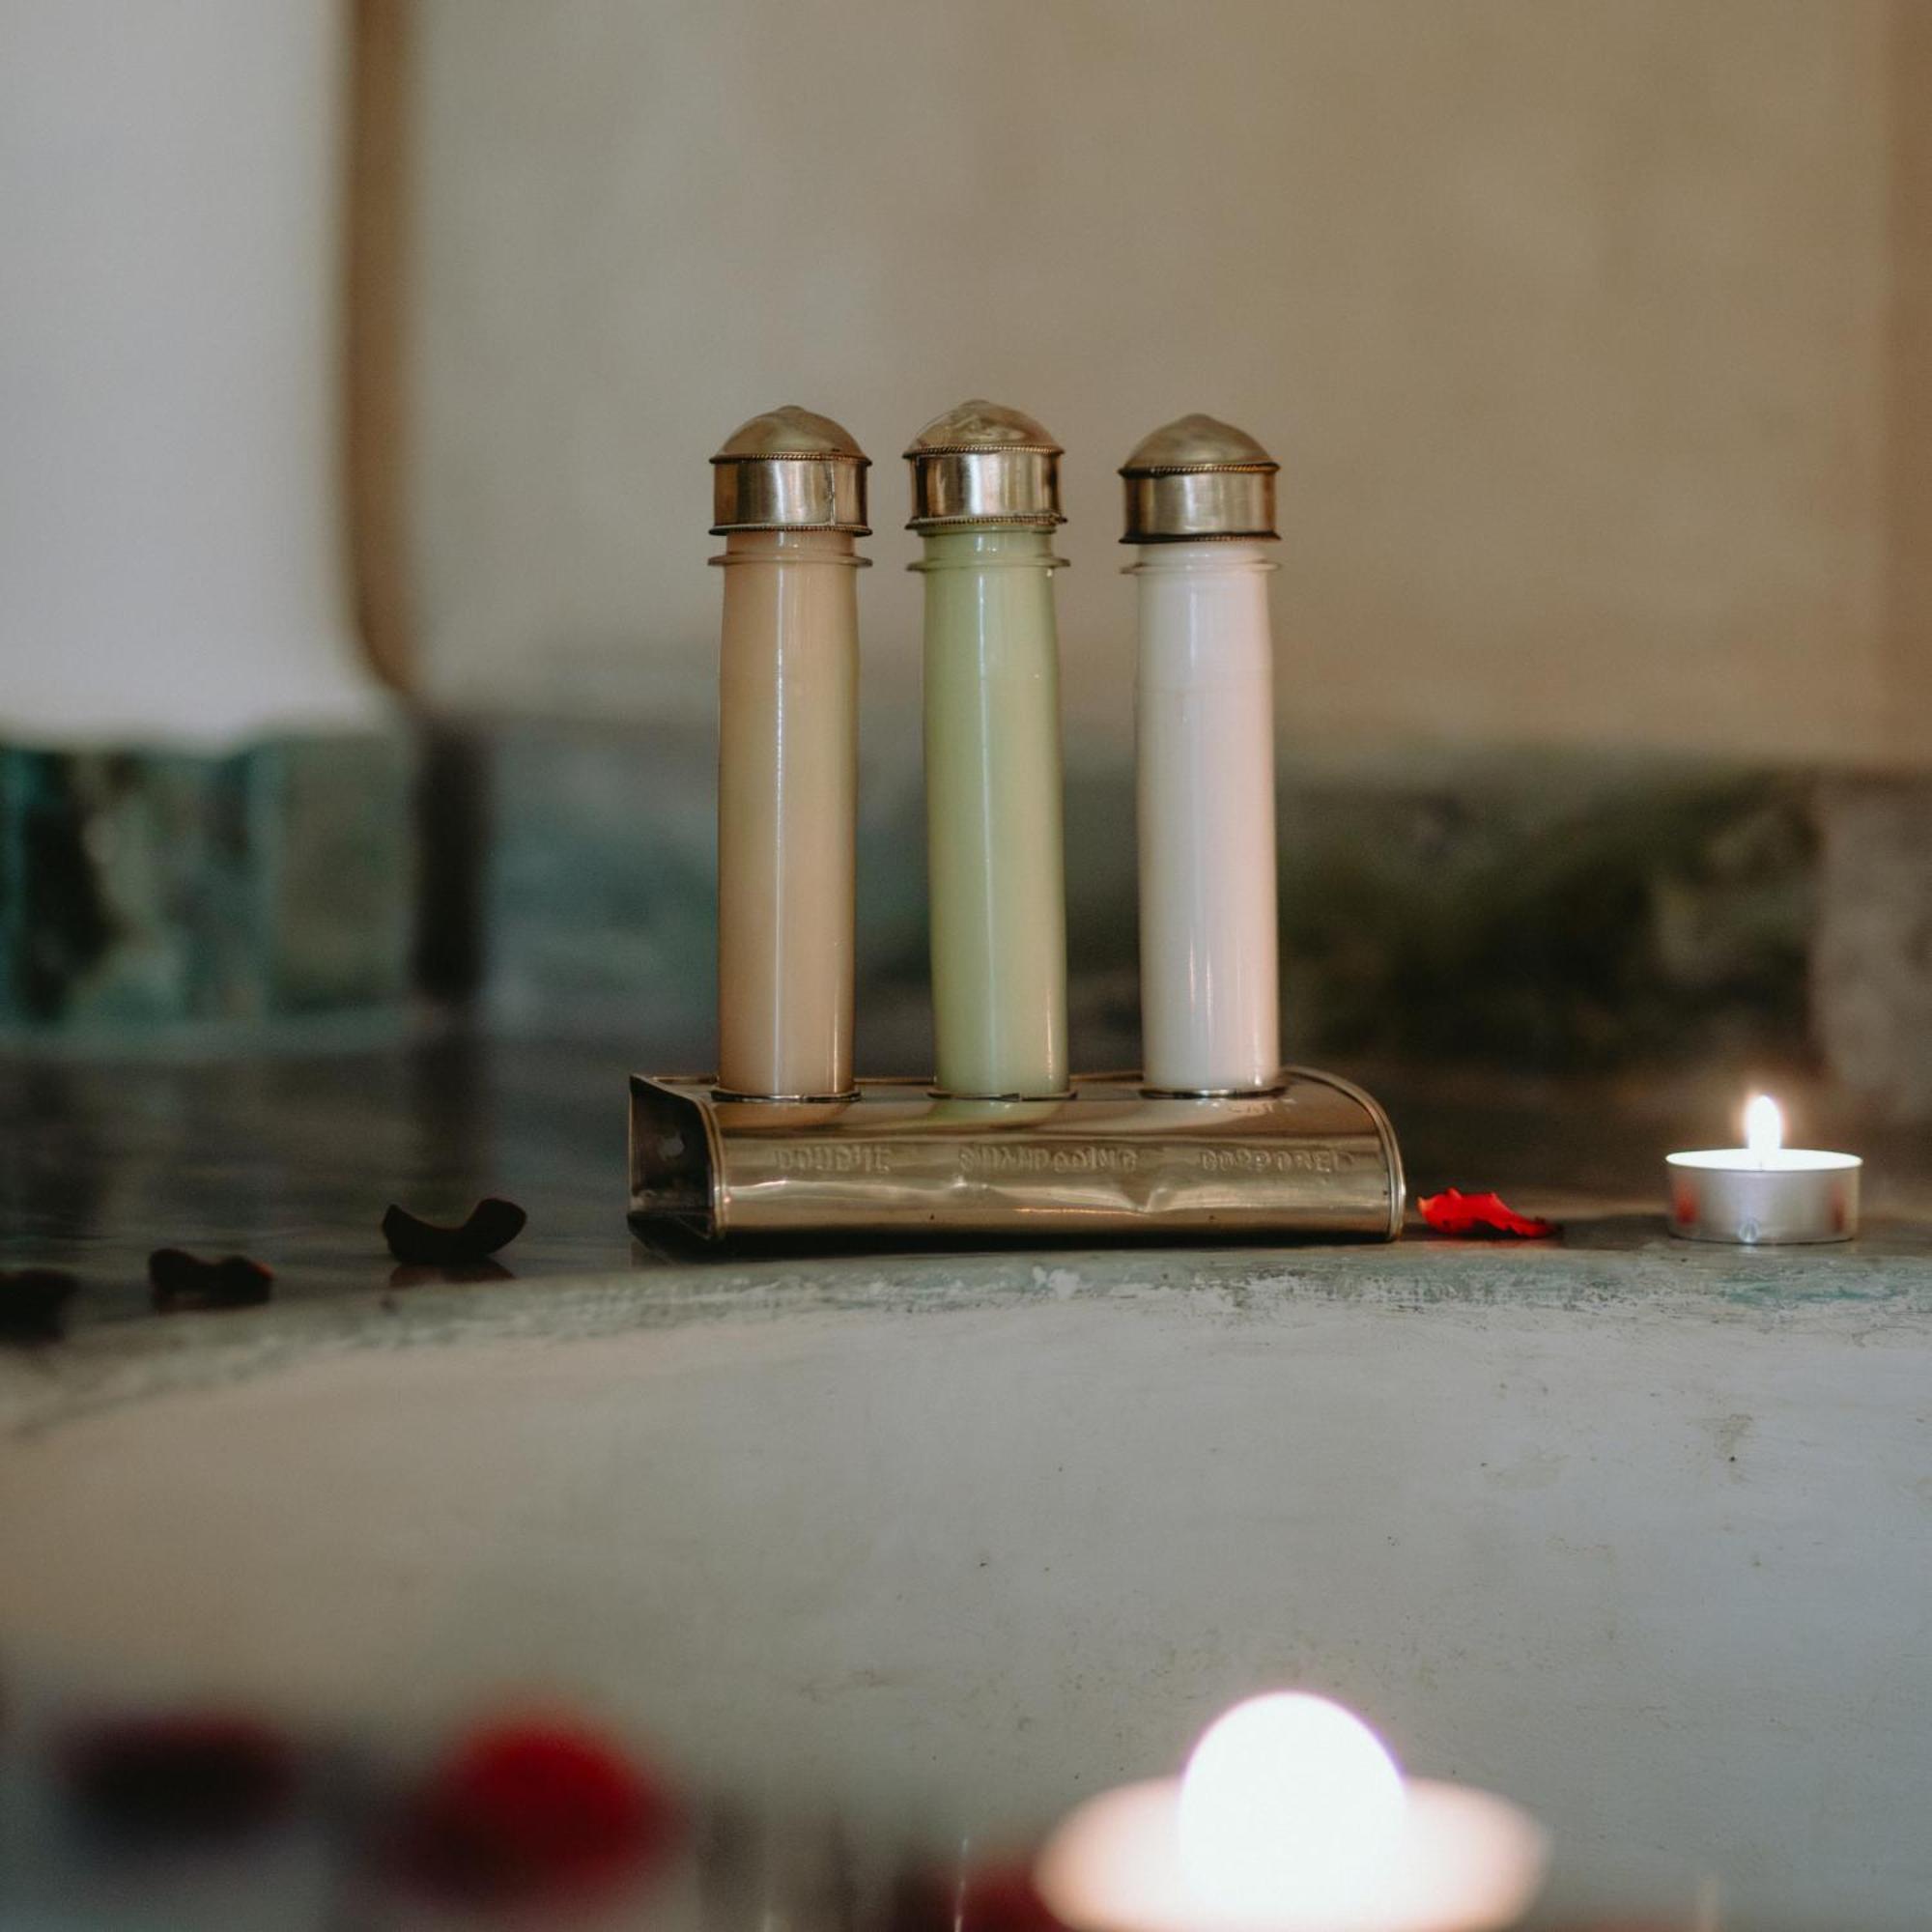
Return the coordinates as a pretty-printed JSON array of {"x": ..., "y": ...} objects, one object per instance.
[{"x": 790, "y": 499}]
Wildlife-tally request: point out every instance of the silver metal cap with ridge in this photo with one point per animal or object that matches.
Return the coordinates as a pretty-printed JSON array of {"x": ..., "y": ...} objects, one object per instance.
[
  {"x": 982, "y": 464},
  {"x": 789, "y": 469},
  {"x": 1198, "y": 481}
]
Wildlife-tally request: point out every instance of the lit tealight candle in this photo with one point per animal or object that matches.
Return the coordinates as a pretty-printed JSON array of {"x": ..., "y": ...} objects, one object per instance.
[
  {"x": 1764, "y": 1192},
  {"x": 1292, "y": 1816}
]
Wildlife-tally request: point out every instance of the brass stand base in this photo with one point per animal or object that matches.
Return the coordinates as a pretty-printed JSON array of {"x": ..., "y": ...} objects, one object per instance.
[{"x": 1313, "y": 1160}]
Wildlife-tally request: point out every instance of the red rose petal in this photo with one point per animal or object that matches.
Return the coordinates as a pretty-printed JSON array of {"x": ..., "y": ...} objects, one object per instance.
[
  {"x": 1004, "y": 1900},
  {"x": 994, "y": 1898},
  {"x": 539, "y": 1812},
  {"x": 1481, "y": 1216}
]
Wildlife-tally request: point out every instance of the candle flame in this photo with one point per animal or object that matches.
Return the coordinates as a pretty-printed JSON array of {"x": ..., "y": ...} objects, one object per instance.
[
  {"x": 1764, "y": 1125},
  {"x": 1289, "y": 1810}
]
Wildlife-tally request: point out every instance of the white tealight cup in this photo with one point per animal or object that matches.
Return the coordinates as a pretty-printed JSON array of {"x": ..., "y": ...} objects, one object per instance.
[{"x": 1763, "y": 1194}]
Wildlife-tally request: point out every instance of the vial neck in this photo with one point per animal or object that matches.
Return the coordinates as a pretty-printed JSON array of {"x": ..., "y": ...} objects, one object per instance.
[
  {"x": 1219, "y": 556},
  {"x": 989, "y": 547},
  {"x": 791, "y": 547}
]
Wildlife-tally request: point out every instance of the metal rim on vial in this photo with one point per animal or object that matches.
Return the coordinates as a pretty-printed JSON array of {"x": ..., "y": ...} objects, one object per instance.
[
  {"x": 983, "y": 464},
  {"x": 789, "y": 469},
  {"x": 1198, "y": 481}
]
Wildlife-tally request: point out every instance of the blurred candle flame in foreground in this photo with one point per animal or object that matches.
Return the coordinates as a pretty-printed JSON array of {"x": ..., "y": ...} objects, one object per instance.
[
  {"x": 1764, "y": 1125},
  {"x": 1292, "y": 1817},
  {"x": 1290, "y": 1807}
]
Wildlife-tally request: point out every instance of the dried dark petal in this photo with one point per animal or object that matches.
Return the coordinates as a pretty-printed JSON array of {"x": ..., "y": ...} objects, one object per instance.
[
  {"x": 493, "y": 1224},
  {"x": 33, "y": 1304},
  {"x": 183, "y": 1281},
  {"x": 181, "y": 1779},
  {"x": 534, "y": 1814}
]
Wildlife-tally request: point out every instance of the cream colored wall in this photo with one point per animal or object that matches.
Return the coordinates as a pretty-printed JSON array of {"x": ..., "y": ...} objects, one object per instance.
[
  {"x": 1571, "y": 321},
  {"x": 170, "y": 219}
]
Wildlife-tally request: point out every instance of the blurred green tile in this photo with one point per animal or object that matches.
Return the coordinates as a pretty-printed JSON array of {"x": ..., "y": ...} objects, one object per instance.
[
  {"x": 144, "y": 887},
  {"x": 1552, "y": 910}
]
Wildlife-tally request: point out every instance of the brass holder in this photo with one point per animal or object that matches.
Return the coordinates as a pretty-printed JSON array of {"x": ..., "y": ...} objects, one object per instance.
[{"x": 1311, "y": 1159}]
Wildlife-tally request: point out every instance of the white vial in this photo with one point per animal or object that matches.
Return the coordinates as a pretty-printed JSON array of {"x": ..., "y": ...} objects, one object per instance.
[{"x": 1201, "y": 508}]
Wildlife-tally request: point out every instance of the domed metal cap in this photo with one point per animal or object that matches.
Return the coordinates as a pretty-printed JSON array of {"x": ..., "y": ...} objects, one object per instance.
[
  {"x": 984, "y": 464},
  {"x": 789, "y": 469},
  {"x": 1199, "y": 479}
]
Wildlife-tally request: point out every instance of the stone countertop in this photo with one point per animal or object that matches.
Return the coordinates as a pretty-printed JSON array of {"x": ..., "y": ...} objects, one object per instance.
[
  {"x": 292, "y": 1158},
  {"x": 1633, "y": 1528}
]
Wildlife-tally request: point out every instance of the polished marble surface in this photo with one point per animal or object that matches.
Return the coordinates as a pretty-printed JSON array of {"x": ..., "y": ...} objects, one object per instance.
[{"x": 292, "y": 1158}]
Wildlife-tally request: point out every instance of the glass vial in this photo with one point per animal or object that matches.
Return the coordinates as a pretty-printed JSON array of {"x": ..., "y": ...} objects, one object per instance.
[
  {"x": 789, "y": 496},
  {"x": 986, "y": 501},
  {"x": 1200, "y": 502}
]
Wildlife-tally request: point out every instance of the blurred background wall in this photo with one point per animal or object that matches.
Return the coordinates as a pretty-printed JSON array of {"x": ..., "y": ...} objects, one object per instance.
[
  {"x": 171, "y": 208},
  {"x": 1575, "y": 325},
  {"x": 205, "y": 793},
  {"x": 1595, "y": 338}
]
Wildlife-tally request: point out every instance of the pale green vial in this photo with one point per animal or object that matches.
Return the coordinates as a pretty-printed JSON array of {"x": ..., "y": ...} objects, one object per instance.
[{"x": 995, "y": 856}]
